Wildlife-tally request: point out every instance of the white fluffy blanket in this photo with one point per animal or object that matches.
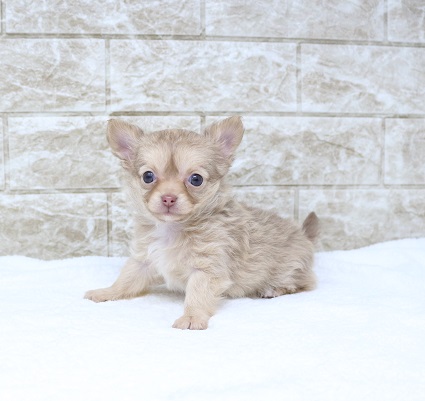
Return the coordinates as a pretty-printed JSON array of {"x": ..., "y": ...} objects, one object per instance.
[{"x": 359, "y": 336}]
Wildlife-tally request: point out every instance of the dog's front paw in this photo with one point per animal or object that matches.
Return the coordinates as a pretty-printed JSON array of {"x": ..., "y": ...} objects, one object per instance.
[
  {"x": 100, "y": 295},
  {"x": 191, "y": 322}
]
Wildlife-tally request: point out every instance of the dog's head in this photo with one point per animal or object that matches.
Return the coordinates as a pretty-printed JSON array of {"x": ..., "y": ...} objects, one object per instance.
[{"x": 175, "y": 173}]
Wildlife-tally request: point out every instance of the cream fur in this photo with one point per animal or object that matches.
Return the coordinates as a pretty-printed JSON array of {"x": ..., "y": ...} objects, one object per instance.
[{"x": 206, "y": 245}]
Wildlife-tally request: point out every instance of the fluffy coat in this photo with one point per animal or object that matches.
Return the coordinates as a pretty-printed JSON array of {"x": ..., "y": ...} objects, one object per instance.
[{"x": 191, "y": 234}]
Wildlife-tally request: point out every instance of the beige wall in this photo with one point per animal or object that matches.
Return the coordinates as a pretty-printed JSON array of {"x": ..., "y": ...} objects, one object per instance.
[{"x": 332, "y": 94}]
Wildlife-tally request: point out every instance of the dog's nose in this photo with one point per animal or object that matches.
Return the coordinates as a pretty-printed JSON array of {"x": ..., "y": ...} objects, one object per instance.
[{"x": 169, "y": 200}]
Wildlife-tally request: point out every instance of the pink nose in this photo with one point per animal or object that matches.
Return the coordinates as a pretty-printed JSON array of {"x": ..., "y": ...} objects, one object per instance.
[{"x": 169, "y": 200}]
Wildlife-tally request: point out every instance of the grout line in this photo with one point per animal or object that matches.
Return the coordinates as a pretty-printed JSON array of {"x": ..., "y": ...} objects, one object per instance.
[
  {"x": 385, "y": 16},
  {"x": 6, "y": 155},
  {"x": 214, "y": 113},
  {"x": 384, "y": 136},
  {"x": 3, "y": 157},
  {"x": 218, "y": 113},
  {"x": 295, "y": 187},
  {"x": 298, "y": 78},
  {"x": 109, "y": 239},
  {"x": 2, "y": 18},
  {"x": 203, "y": 123},
  {"x": 58, "y": 191},
  {"x": 107, "y": 76},
  {"x": 203, "y": 19},
  {"x": 297, "y": 204},
  {"x": 207, "y": 38},
  {"x": 312, "y": 41}
]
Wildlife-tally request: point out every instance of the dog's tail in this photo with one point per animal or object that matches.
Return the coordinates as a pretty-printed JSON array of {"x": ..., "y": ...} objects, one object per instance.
[{"x": 311, "y": 227}]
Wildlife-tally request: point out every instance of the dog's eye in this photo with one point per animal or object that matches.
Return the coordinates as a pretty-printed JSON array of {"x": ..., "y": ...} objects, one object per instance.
[
  {"x": 196, "y": 180},
  {"x": 148, "y": 177}
]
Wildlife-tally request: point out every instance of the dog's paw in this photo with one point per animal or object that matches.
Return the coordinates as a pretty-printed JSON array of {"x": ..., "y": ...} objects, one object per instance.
[
  {"x": 100, "y": 295},
  {"x": 276, "y": 292},
  {"x": 191, "y": 323}
]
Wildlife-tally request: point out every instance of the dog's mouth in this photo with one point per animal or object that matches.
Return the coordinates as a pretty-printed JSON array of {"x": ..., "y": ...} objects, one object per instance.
[
  {"x": 168, "y": 214},
  {"x": 169, "y": 217}
]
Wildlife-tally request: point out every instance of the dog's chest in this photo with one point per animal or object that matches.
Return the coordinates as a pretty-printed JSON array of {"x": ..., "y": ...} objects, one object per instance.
[{"x": 168, "y": 256}]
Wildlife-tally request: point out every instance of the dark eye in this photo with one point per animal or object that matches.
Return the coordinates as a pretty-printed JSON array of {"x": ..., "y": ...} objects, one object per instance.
[
  {"x": 148, "y": 177},
  {"x": 196, "y": 180}
]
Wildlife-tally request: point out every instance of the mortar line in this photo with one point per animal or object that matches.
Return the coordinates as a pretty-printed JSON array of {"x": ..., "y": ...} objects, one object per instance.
[
  {"x": 219, "y": 113},
  {"x": 1, "y": 19},
  {"x": 203, "y": 123},
  {"x": 297, "y": 204},
  {"x": 215, "y": 113},
  {"x": 109, "y": 239},
  {"x": 212, "y": 38},
  {"x": 383, "y": 153},
  {"x": 203, "y": 19},
  {"x": 107, "y": 76},
  {"x": 295, "y": 187},
  {"x": 385, "y": 16},
  {"x": 6, "y": 154},
  {"x": 298, "y": 78}
]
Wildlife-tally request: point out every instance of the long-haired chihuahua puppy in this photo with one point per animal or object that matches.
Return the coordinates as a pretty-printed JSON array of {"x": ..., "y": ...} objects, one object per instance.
[{"x": 189, "y": 231}]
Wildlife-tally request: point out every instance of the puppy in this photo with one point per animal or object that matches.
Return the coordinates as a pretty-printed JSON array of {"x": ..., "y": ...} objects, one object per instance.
[{"x": 191, "y": 234}]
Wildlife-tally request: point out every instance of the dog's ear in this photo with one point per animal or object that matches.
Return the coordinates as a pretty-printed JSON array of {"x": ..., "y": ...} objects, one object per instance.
[
  {"x": 123, "y": 139},
  {"x": 227, "y": 133}
]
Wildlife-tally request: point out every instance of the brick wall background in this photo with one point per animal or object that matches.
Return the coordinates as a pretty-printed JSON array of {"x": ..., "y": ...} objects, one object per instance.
[{"x": 332, "y": 94}]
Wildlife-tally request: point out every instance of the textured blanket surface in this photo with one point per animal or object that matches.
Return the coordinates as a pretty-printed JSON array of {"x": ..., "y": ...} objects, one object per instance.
[{"x": 359, "y": 336}]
